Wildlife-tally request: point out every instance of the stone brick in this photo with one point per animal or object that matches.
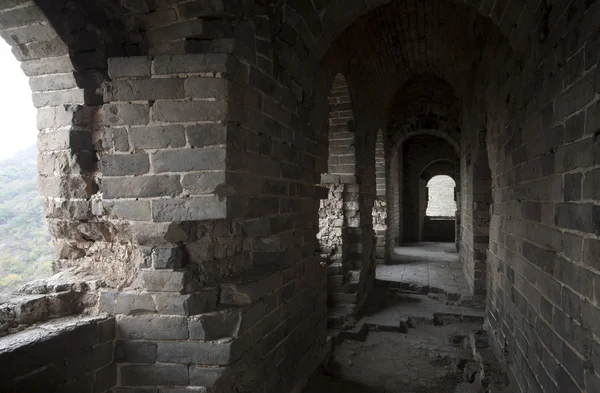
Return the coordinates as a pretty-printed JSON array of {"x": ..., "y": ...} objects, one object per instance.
[
  {"x": 159, "y": 18},
  {"x": 173, "y": 111},
  {"x": 52, "y": 82},
  {"x": 167, "y": 258},
  {"x": 577, "y": 155},
  {"x": 203, "y": 183},
  {"x": 155, "y": 374},
  {"x": 135, "y": 351},
  {"x": 106, "y": 378},
  {"x": 140, "y": 187},
  {"x": 120, "y": 139},
  {"x": 591, "y": 253},
  {"x": 197, "y": 352},
  {"x": 591, "y": 184},
  {"x": 133, "y": 303},
  {"x": 145, "y": 89},
  {"x": 189, "y": 160},
  {"x": 17, "y": 17},
  {"x": 206, "y": 376},
  {"x": 54, "y": 98},
  {"x": 574, "y": 216},
  {"x": 176, "y": 31},
  {"x": 126, "y": 114},
  {"x": 592, "y": 124},
  {"x": 53, "y": 117},
  {"x": 573, "y": 187},
  {"x": 124, "y": 164},
  {"x": 576, "y": 97},
  {"x": 152, "y": 327},
  {"x": 196, "y": 63},
  {"x": 65, "y": 139},
  {"x": 128, "y": 67},
  {"x": 157, "y": 137},
  {"x": 206, "y": 87},
  {"x": 193, "y": 304},
  {"x": 135, "y": 210},
  {"x": 215, "y": 326},
  {"x": 74, "y": 187},
  {"x": 543, "y": 259},
  {"x": 163, "y": 281},
  {"x": 207, "y": 134},
  {"x": 249, "y": 290},
  {"x": 575, "y": 127},
  {"x": 199, "y": 208}
]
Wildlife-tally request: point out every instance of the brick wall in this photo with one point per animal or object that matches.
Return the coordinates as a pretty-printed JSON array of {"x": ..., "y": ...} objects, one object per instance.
[
  {"x": 68, "y": 354},
  {"x": 439, "y": 230}
]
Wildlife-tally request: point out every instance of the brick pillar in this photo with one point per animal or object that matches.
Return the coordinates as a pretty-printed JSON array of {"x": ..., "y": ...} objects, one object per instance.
[
  {"x": 340, "y": 221},
  {"x": 482, "y": 201},
  {"x": 423, "y": 200},
  {"x": 380, "y": 204},
  {"x": 393, "y": 201},
  {"x": 168, "y": 185},
  {"x": 213, "y": 220}
]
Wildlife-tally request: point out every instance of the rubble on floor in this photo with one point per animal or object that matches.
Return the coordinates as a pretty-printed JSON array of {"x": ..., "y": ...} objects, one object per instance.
[{"x": 411, "y": 343}]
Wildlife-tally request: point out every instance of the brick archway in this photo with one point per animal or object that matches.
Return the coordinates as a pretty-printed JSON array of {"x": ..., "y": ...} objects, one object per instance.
[{"x": 317, "y": 26}]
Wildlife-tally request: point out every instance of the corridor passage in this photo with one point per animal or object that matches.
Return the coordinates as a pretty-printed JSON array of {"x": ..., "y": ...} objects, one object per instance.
[
  {"x": 428, "y": 268},
  {"x": 418, "y": 333}
]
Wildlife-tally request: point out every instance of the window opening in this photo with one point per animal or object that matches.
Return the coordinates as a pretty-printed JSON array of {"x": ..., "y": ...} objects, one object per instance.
[
  {"x": 25, "y": 245},
  {"x": 441, "y": 203}
]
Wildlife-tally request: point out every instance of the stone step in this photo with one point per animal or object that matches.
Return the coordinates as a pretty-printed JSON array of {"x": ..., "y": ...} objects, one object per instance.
[
  {"x": 338, "y": 315},
  {"x": 337, "y": 298},
  {"x": 339, "y": 288}
]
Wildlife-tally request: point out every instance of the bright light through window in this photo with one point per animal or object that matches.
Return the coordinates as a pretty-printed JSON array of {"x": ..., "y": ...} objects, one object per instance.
[{"x": 441, "y": 197}]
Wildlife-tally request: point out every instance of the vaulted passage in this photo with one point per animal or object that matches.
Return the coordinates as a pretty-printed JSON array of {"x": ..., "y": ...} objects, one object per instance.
[{"x": 234, "y": 187}]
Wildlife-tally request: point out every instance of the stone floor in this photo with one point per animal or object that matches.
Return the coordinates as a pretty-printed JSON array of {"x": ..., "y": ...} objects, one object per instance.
[
  {"x": 412, "y": 336},
  {"x": 404, "y": 343},
  {"x": 426, "y": 268}
]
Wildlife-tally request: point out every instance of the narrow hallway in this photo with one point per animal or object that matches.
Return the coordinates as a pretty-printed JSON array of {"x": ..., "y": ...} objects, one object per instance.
[
  {"x": 427, "y": 268},
  {"x": 418, "y": 333}
]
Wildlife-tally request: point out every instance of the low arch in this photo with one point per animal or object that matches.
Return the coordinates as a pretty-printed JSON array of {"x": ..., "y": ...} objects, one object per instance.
[{"x": 441, "y": 167}]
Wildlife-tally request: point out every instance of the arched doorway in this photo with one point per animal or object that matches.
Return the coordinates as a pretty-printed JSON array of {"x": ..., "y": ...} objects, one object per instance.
[{"x": 440, "y": 210}]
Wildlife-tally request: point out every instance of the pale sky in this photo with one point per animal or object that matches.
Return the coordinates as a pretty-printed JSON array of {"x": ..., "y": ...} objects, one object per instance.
[{"x": 17, "y": 114}]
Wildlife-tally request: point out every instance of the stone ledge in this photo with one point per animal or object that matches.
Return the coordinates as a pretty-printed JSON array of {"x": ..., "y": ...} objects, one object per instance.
[
  {"x": 59, "y": 353},
  {"x": 58, "y": 296},
  {"x": 46, "y": 331}
]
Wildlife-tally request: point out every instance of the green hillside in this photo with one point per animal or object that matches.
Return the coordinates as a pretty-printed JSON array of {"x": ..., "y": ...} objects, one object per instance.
[{"x": 25, "y": 248}]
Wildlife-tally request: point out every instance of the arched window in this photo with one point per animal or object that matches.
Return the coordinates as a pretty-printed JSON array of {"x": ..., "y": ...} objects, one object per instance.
[
  {"x": 25, "y": 247},
  {"x": 441, "y": 201}
]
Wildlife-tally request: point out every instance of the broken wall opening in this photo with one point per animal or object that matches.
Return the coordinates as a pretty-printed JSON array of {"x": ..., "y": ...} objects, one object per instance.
[
  {"x": 25, "y": 245},
  {"x": 339, "y": 216}
]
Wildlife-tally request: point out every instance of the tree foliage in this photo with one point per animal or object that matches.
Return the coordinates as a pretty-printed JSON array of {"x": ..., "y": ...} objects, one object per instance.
[{"x": 25, "y": 246}]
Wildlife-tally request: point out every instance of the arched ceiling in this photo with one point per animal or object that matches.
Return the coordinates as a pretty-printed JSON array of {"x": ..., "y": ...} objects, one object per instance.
[
  {"x": 424, "y": 103},
  {"x": 440, "y": 167},
  {"x": 403, "y": 40}
]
